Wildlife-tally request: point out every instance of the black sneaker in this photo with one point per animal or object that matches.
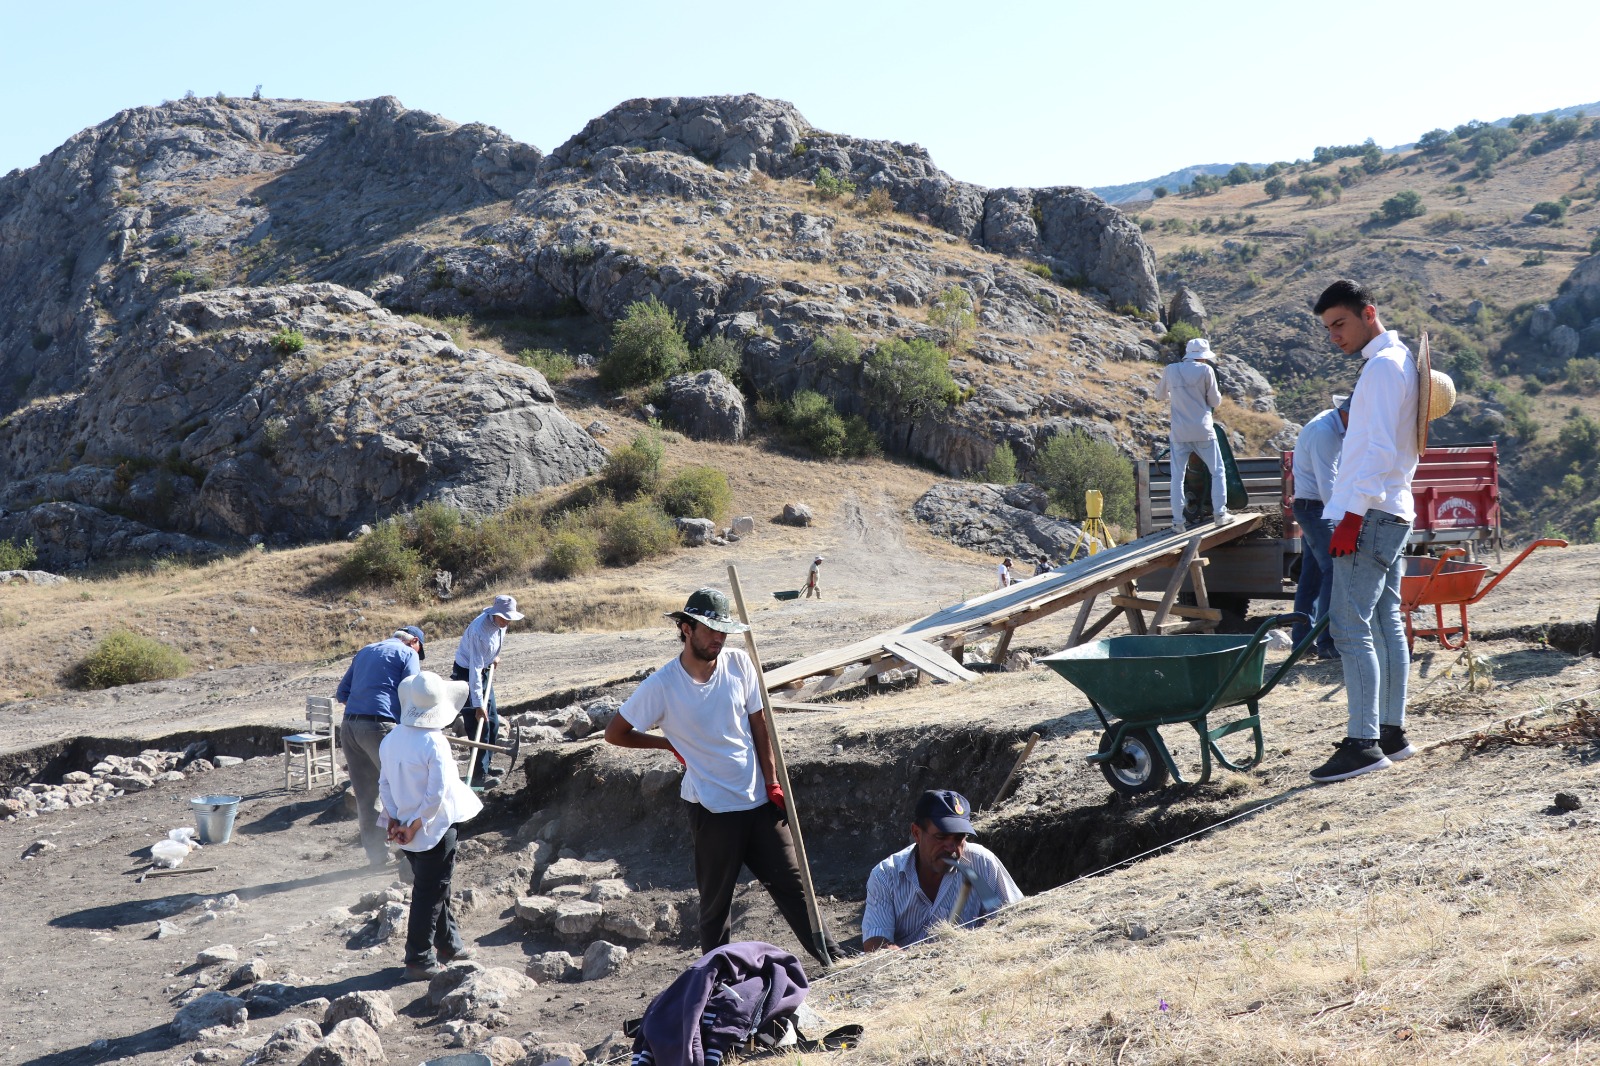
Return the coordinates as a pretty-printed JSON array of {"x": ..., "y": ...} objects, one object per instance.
[
  {"x": 1352, "y": 757},
  {"x": 1392, "y": 739}
]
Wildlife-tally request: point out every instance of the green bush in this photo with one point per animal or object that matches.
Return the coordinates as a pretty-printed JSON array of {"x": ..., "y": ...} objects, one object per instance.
[
  {"x": 289, "y": 341},
  {"x": 878, "y": 202},
  {"x": 555, "y": 366},
  {"x": 1039, "y": 269},
  {"x": 697, "y": 492},
  {"x": 910, "y": 378},
  {"x": 1072, "y": 463},
  {"x": 827, "y": 187},
  {"x": 384, "y": 557},
  {"x": 1399, "y": 207},
  {"x": 1554, "y": 210},
  {"x": 1181, "y": 333},
  {"x": 647, "y": 346},
  {"x": 1002, "y": 466},
  {"x": 810, "y": 421},
  {"x": 1275, "y": 187},
  {"x": 14, "y": 556},
  {"x": 634, "y": 469},
  {"x": 838, "y": 346},
  {"x": 639, "y": 530},
  {"x": 1519, "y": 412},
  {"x": 1583, "y": 375},
  {"x": 951, "y": 315},
  {"x": 721, "y": 354},
  {"x": 124, "y": 657},
  {"x": 1580, "y": 437},
  {"x": 572, "y": 552}
]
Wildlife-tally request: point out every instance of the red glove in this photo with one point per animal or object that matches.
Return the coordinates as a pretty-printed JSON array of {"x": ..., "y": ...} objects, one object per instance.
[
  {"x": 675, "y": 755},
  {"x": 775, "y": 795},
  {"x": 1344, "y": 535}
]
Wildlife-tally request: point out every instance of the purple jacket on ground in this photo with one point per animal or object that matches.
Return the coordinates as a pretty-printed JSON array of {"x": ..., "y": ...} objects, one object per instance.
[{"x": 724, "y": 997}]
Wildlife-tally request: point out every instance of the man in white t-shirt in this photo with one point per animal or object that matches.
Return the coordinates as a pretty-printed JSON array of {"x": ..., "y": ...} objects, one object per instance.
[
  {"x": 1002, "y": 574},
  {"x": 707, "y": 703}
]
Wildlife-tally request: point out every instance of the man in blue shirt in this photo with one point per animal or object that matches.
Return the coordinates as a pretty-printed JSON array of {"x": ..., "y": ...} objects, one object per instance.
[
  {"x": 1316, "y": 462},
  {"x": 476, "y": 655},
  {"x": 370, "y": 694}
]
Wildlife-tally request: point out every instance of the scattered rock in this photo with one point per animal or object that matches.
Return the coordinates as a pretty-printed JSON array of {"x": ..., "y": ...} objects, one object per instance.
[
  {"x": 538, "y": 911},
  {"x": 484, "y": 991},
  {"x": 375, "y": 1008},
  {"x": 608, "y": 889},
  {"x": 220, "y": 953},
  {"x": 501, "y": 1050},
  {"x": 696, "y": 532},
  {"x": 706, "y": 406},
  {"x": 554, "y": 1054},
  {"x": 211, "y": 1011},
  {"x": 287, "y": 1046},
  {"x": 351, "y": 1043},
  {"x": 602, "y": 959},
  {"x": 576, "y": 871},
  {"x": 554, "y": 966},
  {"x": 796, "y": 514},
  {"x": 165, "y": 929},
  {"x": 1567, "y": 801},
  {"x": 576, "y": 917},
  {"x": 743, "y": 526}
]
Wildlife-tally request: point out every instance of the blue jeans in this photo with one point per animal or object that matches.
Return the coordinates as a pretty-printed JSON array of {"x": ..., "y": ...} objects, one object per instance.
[
  {"x": 467, "y": 724},
  {"x": 1367, "y": 627},
  {"x": 1315, "y": 590},
  {"x": 1210, "y": 453}
]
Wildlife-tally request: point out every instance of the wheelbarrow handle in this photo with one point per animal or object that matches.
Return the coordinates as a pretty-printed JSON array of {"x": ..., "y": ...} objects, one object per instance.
[{"x": 1244, "y": 657}]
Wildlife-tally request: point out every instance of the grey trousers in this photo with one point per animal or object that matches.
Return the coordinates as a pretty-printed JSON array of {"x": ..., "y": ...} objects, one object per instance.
[{"x": 360, "y": 737}]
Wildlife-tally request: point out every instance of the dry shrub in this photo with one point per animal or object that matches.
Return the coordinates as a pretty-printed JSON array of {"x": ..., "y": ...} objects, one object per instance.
[
  {"x": 640, "y": 530},
  {"x": 1256, "y": 428},
  {"x": 125, "y": 657},
  {"x": 572, "y": 552},
  {"x": 697, "y": 492}
]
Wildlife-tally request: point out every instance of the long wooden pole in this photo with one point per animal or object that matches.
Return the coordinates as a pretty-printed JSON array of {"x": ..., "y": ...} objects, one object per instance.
[{"x": 813, "y": 912}]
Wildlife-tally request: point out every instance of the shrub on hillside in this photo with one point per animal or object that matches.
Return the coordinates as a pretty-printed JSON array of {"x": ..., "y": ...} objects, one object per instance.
[
  {"x": 1002, "y": 466},
  {"x": 810, "y": 421},
  {"x": 951, "y": 316},
  {"x": 639, "y": 530},
  {"x": 1180, "y": 333},
  {"x": 288, "y": 341},
  {"x": 1553, "y": 210},
  {"x": 1072, "y": 463},
  {"x": 825, "y": 186},
  {"x": 877, "y": 203},
  {"x": 722, "y": 354},
  {"x": 634, "y": 469},
  {"x": 910, "y": 378},
  {"x": 572, "y": 552},
  {"x": 554, "y": 365},
  {"x": 1275, "y": 187},
  {"x": 14, "y": 556},
  {"x": 647, "y": 346},
  {"x": 1399, "y": 207},
  {"x": 124, "y": 657},
  {"x": 1583, "y": 375},
  {"x": 697, "y": 492},
  {"x": 383, "y": 557},
  {"x": 838, "y": 346}
]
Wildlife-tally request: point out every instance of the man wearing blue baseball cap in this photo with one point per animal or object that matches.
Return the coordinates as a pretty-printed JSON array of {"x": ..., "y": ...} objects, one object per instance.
[
  {"x": 942, "y": 876},
  {"x": 370, "y": 694}
]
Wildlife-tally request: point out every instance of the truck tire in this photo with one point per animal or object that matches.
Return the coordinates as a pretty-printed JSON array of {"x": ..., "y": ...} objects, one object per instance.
[{"x": 1235, "y": 612}]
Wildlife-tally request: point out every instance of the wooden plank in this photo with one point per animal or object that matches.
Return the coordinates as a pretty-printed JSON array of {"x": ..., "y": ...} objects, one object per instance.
[
  {"x": 1179, "y": 572},
  {"x": 1135, "y": 616},
  {"x": 928, "y": 658},
  {"x": 1083, "y": 617},
  {"x": 791, "y": 705},
  {"x": 1207, "y": 614},
  {"x": 1000, "y": 649}
]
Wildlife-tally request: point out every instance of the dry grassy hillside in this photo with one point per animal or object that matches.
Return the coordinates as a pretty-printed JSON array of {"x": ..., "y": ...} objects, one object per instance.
[{"x": 1468, "y": 269}]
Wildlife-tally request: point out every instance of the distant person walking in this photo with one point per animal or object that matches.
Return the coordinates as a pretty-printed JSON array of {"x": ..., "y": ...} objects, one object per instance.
[
  {"x": 707, "y": 703},
  {"x": 1371, "y": 509},
  {"x": 1191, "y": 387},
  {"x": 478, "y": 652},
  {"x": 1316, "y": 462},
  {"x": 423, "y": 799},
  {"x": 1002, "y": 574},
  {"x": 812, "y": 587},
  {"x": 369, "y": 691}
]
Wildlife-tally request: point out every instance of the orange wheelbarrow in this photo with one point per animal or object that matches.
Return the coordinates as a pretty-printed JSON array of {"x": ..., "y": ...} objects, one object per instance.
[{"x": 1443, "y": 582}]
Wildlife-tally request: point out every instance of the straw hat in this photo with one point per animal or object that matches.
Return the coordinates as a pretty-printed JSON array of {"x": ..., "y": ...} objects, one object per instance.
[
  {"x": 428, "y": 701},
  {"x": 1436, "y": 393}
]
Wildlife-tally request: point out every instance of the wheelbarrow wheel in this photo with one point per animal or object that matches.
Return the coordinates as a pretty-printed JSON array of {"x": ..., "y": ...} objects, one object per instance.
[{"x": 1137, "y": 766}]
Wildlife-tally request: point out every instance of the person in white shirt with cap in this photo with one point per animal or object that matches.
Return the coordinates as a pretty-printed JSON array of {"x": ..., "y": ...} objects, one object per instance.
[
  {"x": 1191, "y": 386},
  {"x": 423, "y": 798},
  {"x": 478, "y": 652},
  {"x": 813, "y": 576}
]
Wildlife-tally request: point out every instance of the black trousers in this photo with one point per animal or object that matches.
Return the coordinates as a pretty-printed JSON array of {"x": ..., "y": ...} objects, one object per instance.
[
  {"x": 466, "y": 726},
  {"x": 432, "y": 927},
  {"x": 758, "y": 839}
]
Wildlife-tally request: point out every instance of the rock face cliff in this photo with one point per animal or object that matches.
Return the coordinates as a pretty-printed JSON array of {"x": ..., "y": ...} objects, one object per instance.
[{"x": 198, "y": 334}]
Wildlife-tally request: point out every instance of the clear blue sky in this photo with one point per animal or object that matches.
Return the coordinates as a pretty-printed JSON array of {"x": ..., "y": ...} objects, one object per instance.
[{"x": 1001, "y": 93}]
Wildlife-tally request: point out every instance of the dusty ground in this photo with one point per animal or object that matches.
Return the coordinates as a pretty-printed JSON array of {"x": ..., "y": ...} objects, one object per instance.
[{"x": 78, "y": 928}]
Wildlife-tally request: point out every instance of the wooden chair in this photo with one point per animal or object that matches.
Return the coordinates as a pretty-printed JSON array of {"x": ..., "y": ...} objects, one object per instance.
[{"x": 306, "y": 762}]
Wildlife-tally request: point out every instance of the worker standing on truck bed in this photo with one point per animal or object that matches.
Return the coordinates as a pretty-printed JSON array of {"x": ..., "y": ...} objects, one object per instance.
[
  {"x": 1316, "y": 461},
  {"x": 1372, "y": 510},
  {"x": 1191, "y": 385}
]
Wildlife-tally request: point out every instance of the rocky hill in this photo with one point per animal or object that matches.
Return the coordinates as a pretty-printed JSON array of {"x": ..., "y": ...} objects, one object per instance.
[{"x": 199, "y": 304}]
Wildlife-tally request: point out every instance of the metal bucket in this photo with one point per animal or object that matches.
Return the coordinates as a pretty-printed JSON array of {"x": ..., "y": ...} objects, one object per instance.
[{"x": 213, "y": 815}]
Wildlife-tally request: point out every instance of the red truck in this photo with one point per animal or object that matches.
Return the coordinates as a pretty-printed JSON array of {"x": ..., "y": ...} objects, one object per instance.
[{"x": 1457, "y": 493}]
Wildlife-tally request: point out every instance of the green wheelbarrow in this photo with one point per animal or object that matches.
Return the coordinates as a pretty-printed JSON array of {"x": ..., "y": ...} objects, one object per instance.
[{"x": 1145, "y": 682}]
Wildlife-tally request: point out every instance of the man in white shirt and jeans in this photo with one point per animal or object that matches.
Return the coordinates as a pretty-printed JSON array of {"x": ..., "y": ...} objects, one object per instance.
[
  {"x": 1191, "y": 385},
  {"x": 1372, "y": 510},
  {"x": 707, "y": 703}
]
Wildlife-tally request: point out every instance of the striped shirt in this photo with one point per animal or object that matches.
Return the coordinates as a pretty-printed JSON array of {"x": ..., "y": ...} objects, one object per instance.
[{"x": 898, "y": 910}]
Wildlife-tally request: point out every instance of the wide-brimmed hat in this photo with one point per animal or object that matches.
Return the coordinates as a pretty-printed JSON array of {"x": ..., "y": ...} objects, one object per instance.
[
  {"x": 711, "y": 609},
  {"x": 506, "y": 607},
  {"x": 1199, "y": 348},
  {"x": 428, "y": 701},
  {"x": 1436, "y": 393},
  {"x": 1341, "y": 402}
]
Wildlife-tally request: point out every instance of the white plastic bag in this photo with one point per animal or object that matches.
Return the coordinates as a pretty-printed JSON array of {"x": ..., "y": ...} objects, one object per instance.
[{"x": 169, "y": 853}]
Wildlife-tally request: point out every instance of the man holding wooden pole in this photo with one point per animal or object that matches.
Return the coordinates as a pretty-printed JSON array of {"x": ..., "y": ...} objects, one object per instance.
[{"x": 707, "y": 702}]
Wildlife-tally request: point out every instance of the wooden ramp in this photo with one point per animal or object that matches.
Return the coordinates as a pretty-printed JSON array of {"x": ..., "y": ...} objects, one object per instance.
[{"x": 933, "y": 645}]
